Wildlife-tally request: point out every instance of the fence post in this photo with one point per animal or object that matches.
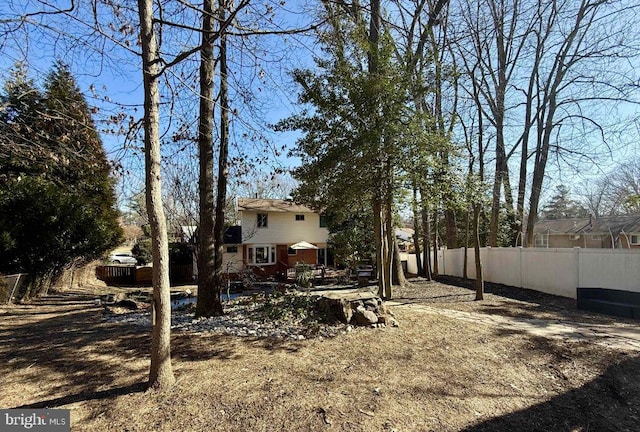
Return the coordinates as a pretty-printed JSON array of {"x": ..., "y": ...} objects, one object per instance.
[
  {"x": 576, "y": 255},
  {"x": 444, "y": 259},
  {"x": 520, "y": 270}
]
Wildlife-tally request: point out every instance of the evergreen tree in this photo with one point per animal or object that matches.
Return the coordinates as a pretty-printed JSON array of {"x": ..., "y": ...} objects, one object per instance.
[
  {"x": 561, "y": 206},
  {"x": 350, "y": 149},
  {"x": 20, "y": 125},
  {"x": 57, "y": 203}
]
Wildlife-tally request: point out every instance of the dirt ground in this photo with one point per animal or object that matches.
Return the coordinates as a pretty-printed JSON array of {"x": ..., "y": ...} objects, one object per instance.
[{"x": 433, "y": 373}]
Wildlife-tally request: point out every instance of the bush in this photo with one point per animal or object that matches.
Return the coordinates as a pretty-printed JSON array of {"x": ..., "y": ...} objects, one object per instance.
[
  {"x": 304, "y": 275},
  {"x": 142, "y": 251}
]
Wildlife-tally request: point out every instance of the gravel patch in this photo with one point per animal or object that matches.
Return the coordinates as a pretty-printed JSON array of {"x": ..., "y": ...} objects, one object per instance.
[{"x": 246, "y": 317}]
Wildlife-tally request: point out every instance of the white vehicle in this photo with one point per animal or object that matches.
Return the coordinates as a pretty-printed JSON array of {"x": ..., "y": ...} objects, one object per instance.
[{"x": 123, "y": 258}]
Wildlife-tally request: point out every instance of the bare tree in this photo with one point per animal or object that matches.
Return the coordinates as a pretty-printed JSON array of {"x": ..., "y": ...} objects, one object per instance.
[
  {"x": 491, "y": 53},
  {"x": 615, "y": 193},
  {"x": 161, "y": 373},
  {"x": 589, "y": 35}
]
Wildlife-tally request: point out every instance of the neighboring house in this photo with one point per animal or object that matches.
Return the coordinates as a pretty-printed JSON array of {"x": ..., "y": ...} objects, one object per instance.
[
  {"x": 604, "y": 232},
  {"x": 270, "y": 227},
  {"x": 404, "y": 236}
]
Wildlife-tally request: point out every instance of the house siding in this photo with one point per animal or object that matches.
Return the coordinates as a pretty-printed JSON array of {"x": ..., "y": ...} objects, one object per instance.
[{"x": 282, "y": 228}]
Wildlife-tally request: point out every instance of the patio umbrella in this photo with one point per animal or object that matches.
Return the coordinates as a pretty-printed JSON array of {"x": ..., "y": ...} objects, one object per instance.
[{"x": 303, "y": 245}]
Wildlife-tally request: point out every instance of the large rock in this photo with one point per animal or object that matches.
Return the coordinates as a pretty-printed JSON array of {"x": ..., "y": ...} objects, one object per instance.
[{"x": 364, "y": 316}]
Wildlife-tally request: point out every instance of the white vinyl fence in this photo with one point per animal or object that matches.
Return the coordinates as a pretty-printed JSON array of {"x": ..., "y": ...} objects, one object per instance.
[{"x": 553, "y": 271}]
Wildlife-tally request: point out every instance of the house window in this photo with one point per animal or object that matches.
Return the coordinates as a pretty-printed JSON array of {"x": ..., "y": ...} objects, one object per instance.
[
  {"x": 542, "y": 240},
  {"x": 232, "y": 249},
  {"x": 299, "y": 217},
  {"x": 262, "y": 220},
  {"x": 635, "y": 239},
  {"x": 323, "y": 221},
  {"x": 261, "y": 255},
  {"x": 292, "y": 251}
]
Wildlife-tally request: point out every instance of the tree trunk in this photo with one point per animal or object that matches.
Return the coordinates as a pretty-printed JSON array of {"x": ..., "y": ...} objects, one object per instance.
[
  {"x": 209, "y": 303},
  {"x": 435, "y": 270},
  {"x": 465, "y": 270},
  {"x": 381, "y": 209},
  {"x": 452, "y": 229},
  {"x": 383, "y": 252},
  {"x": 161, "y": 373},
  {"x": 416, "y": 232},
  {"x": 399, "y": 278},
  {"x": 497, "y": 185},
  {"x": 426, "y": 240},
  {"x": 223, "y": 168},
  {"x": 476, "y": 248}
]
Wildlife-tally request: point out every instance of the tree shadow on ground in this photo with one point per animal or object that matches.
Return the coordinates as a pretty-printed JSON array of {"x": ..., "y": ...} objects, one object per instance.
[
  {"x": 87, "y": 396},
  {"x": 63, "y": 344},
  {"x": 528, "y": 304},
  {"x": 610, "y": 402}
]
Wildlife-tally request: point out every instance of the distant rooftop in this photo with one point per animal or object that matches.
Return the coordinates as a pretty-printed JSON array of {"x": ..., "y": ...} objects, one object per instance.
[
  {"x": 271, "y": 205},
  {"x": 601, "y": 225}
]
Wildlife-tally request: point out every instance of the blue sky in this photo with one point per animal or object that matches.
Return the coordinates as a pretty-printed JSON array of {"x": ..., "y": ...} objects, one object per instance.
[
  {"x": 113, "y": 83},
  {"x": 117, "y": 80}
]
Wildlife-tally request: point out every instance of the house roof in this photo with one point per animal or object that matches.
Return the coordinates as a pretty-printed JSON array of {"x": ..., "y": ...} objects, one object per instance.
[
  {"x": 616, "y": 224},
  {"x": 561, "y": 226},
  {"x": 405, "y": 234},
  {"x": 602, "y": 225},
  {"x": 271, "y": 205}
]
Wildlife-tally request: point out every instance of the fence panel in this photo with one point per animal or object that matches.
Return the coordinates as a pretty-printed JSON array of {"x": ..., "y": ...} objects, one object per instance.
[
  {"x": 613, "y": 269},
  {"x": 553, "y": 271},
  {"x": 116, "y": 275}
]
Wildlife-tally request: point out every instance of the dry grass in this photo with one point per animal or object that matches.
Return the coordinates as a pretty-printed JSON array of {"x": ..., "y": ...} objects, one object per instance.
[{"x": 433, "y": 373}]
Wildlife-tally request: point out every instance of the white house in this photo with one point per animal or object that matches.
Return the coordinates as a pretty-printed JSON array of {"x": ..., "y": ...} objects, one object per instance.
[{"x": 270, "y": 227}]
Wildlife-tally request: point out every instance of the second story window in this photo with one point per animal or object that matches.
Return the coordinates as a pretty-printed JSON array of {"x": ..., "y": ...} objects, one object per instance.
[
  {"x": 262, "y": 220},
  {"x": 323, "y": 221},
  {"x": 299, "y": 217}
]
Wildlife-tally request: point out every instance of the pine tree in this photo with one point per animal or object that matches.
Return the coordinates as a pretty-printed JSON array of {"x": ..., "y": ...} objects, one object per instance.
[
  {"x": 350, "y": 149},
  {"x": 561, "y": 206},
  {"x": 57, "y": 203},
  {"x": 20, "y": 127}
]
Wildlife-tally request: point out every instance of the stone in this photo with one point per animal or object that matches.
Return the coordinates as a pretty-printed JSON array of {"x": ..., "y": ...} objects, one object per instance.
[
  {"x": 365, "y": 317},
  {"x": 371, "y": 305}
]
